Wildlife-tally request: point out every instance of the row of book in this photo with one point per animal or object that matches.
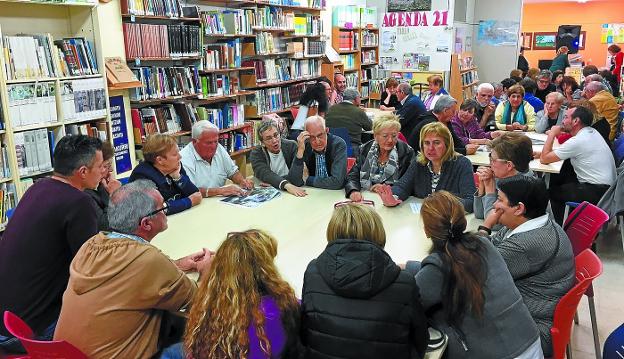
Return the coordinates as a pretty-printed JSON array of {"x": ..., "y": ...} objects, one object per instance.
[
  {"x": 354, "y": 16},
  {"x": 161, "y": 41},
  {"x": 222, "y": 55},
  {"x": 365, "y": 91},
  {"x": 275, "y": 98},
  {"x": 313, "y": 47},
  {"x": 164, "y": 82},
  {"x": 308, "y": 24},
  {"x": 274, "y": 18},
  {"x": 305, "y": 68},
  {"x": 233, "y": 22},
  {"x": 270, "y": 70},
  {"x": 8, "y": 200},
  {"x": 236, "y": 141},
  {"x": 32, "y": 103},
  {"x": 348, "y": 40},
  {"x": 83, "y": 99},
  {"x": 265, "y": 43},
  {"x": 352, "y": 79},
  {"x": 370, "y": 38},
  {"x": 169, "y": 8},
  {"x": 5, "y": 167},
  {"x": 218, "y": 85},
  {"x": 469, "y": 78},
  {"x": 369, "y": 57},
  {"x": 97, "y": 129},
  {"x": 40, "y": 56},
  {"x": 348, "y": 61},
  {"x": 376, "y": 86},
  {"x": 34, "y": 151},
  {"x": 374, "y": 73},
  {"x": 318, "y": 4}
]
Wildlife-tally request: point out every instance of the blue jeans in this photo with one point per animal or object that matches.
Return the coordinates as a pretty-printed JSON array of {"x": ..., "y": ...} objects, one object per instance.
[
  {"x": 174, "y": 351},
  {"x": 12, "y": 345}
]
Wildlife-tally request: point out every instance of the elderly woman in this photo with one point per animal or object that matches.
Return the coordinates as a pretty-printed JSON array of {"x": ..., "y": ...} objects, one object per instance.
[
  {"x": 570, "y": 89},
  {"x": 515, "y": 113},
  {"x": 466, "y": 126},
  {"x": 552, "y": 114},
  {"x": 437, "y": 167},
  {"x": 537, "y": 251},
  {"x": 436, "y": 90},
  {"x": 389, "y": 100},
  {"x": 163, "y": 167},
  {"x": 382, "y": 160},
  {"x": 510, "y": 156}
]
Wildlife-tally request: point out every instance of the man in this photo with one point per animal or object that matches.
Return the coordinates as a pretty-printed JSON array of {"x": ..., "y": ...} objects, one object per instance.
[
  {"x": 52, "y": 220},
  {"x": 340, "y": 81},
  {"x": 544, "y": 85},
  {"x": 273, "y": 162},
  {"x": 589, "y": 155},
  {"x": 349, "y": 115},
  {"x": 606, "y": 105},
  {"x": 523, "y": 64},
  {"x": 487, "y": 107},
  {"x": 412, "y": 108},
  {"x": 498, "y": 92},
  {"x": 325, "y": 156},
  {"x": 120, "y": 286},
  {"x": 208, "y": 164},
  {"x": 530, "y": 86},
  {"x": 443, "y": 111}
]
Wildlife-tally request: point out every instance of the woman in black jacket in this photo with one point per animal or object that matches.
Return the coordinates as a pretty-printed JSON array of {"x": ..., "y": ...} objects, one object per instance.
[
  {"x": 357, "y": 303},
  {"x": 382, "y": 160}
]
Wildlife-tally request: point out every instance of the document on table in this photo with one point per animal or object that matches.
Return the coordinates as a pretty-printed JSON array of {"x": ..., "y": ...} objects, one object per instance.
[{"x": 415, "y": 207}]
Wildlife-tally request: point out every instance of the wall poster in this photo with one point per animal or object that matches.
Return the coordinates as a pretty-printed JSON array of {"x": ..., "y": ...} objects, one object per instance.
[{"x": 408, "y": 5}]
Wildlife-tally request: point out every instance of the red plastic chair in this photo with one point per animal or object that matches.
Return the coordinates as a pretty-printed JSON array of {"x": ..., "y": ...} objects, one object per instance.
[
  {"x": 58, "y": 349},
  {"x": 402, "y": 138},
  {"x": 350, "y": 163},
  {"x": 588, "y": 267},
  {"x": 582, "y": 227},
  {"x": 476, "y": 179}
]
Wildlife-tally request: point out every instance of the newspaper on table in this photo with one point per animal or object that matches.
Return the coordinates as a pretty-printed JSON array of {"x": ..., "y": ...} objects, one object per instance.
[{"x": 253, "y": 199}]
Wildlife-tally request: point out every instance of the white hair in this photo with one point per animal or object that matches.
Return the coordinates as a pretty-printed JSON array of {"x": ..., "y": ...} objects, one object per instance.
[
  {"x": 200, "y": 126},
  {"x": 312, "y": 119},
  {"x": 485, "y": 86}
]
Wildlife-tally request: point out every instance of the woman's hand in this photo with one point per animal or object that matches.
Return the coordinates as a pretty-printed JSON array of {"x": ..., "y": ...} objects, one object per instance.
[{"x": 356, "y": 196}]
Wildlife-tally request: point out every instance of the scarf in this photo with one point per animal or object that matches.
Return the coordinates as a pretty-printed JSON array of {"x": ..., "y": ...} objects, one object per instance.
[
  {"x": 371, "y": 173},
  {"x": 519, "y": 116}
]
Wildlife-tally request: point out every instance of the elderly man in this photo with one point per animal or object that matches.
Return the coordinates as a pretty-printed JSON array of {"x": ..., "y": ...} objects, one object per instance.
[
  {"x": 325, "y": 155},
  {"x": 443, "y": 111},
  {"x": 120, "y": 285},
  {"x": 544, "y": 85},
  {"x": 606, "y": 105},
  {"x": 589, "y": 155},
  {"x": 552, "y": 114},
  {"x": 340, "y": 82},
  {"x": 52, "y": 220},
  {"x": 412, "y": 108},
  {"x": 347, "y": 114},
  {"x": 274, "y": 161},
  {"x": 208, "y": 164},
  {"x": 485, "y": 111}
]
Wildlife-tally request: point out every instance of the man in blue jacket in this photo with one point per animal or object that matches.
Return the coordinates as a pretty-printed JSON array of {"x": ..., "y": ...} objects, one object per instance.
[{"x": 412, "y": 108}]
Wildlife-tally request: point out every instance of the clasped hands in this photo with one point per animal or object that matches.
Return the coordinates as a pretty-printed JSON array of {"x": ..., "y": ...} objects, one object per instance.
[
  {"x": 196, "y": 262},
  {"x": 383, "y": 190}
]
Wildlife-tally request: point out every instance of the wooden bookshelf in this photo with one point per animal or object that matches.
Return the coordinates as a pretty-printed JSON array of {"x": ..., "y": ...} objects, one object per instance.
[{"x": 464, "y": 77}]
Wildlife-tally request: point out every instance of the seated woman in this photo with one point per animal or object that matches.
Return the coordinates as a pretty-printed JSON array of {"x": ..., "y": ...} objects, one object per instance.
[
  {"x": 382, "y": 160},
  {"x": 466, "y": 125},
  {"x": 570, "y": 90},
  {"x": 108, "y": 184},
  {"x": 314, "y": 95},
  {"x": 437, "y": 167},
  {"x": 357, "y": 303},
  {"x": 537, "y": 251},
  {"x": 436, "y": 90},
  {"x": 482, "y": 311},
  {"x": 557, "y": 77},
  {"x": 243, "y": 308},
  {"x": 515, "y": 113},
  {"x": 511, "y": 154},
  {"x": 552, "y": 114},
  {"x": 163, "y": 167},
  {"x": 389, "y": 100}
]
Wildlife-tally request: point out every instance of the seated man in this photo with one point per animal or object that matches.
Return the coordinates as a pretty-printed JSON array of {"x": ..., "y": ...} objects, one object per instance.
[
  {"x": 487, "y": 106},
  {"x": 544, "y": 85},
  {"x": 120, "y": 285},
  {"x": 349, "y": 115},
  {"x": 340, "y": 81},
  {"x": 208, "y": 164},
  {"x": 530, "y": 86},
  {"x": 589, "y": 155},
  {"x": 411, "y": 108},
  {"x": 52, "y": 220},
  {"x": 606, "y": 105},
  {"x": 325, "y": 156},
  {"x": 273, "y": 162}
]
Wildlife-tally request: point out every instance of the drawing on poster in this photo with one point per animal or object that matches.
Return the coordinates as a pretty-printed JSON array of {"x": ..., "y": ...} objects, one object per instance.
[
  {"x": 498, "y": 33},
  {"x": 408, "y": 5},
  {"x": 388, "y": 40}
]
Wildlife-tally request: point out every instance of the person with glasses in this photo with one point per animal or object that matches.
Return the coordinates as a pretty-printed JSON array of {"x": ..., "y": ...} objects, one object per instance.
[
  {"x": 274, "y": 161},
  {"x": 465, "y": 125},
  {"x": 108, "y": 184},
  {"x": 356, "y": 302},
  {"x": 162, "y": 166},
  {"x": 120, "y": 285},
  {"x": 545, "y": 85},
  {"x": 487, "y": 105}
]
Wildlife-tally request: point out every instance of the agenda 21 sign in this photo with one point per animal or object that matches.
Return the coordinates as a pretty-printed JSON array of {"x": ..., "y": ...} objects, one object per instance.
[{"x": 415, "y": 18}]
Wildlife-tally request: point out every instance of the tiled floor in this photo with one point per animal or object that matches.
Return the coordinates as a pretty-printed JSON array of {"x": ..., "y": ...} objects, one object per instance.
[{"x": 609, "y": 291}]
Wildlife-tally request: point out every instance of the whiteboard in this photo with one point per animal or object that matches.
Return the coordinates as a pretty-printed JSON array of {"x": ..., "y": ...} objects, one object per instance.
[{"x": 413, "y": 47}]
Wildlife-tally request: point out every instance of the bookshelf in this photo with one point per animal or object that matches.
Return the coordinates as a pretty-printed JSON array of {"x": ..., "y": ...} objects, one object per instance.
[
  {"x": 464, "y": 77},
  {"x": 52, "y": 83}
]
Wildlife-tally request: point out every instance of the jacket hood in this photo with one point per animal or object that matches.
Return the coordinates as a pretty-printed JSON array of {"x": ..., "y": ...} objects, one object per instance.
[
  {"x": 102, "y": 259},
  {"x": 356, "y": 269}
]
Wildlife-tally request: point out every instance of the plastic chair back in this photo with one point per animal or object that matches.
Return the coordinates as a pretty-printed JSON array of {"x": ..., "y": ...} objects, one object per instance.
[
  {"x": 401, "y": 137},
  {"x": 614, "y": 345},
  {"x": 38, "y": 349},
  {"x": 294, "y": 111},
  {"x": 583, "y": 224},
  {"x": 350, "y": 163},
  {"x": 344, "y": 134},
  {"x": 588, "y": 267},
  {"x": 476, "y": 179}
]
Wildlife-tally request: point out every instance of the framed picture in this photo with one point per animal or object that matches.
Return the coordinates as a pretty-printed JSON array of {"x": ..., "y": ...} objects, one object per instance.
[
  {"x": 582, "y": 40},
  {"x": 526, "y": 40},
  {"x": 544, "y": 40},
  {"x": 408, "y": 5}
]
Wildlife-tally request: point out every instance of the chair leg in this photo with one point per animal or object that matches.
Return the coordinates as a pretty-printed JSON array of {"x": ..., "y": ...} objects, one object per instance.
[
  {"x": 568, "y": 352},
  {"x": 576, "y": 320},
  {"x": 592, "y": 314}
]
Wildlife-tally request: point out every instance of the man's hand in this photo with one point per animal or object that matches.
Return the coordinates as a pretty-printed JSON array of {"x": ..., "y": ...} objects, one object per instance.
[
  {"x": 189, "y": 263},
  {"x": 537, "y": 154},
  {"x": 303, "y": 136},
  {"x": 203, "y": 264},
  {"x": 175, "y": 174},
  {"x": 356, "y": 196},
  {"x": 555, "y": 131},
  {"x": 471, "y": 149},
  {"x": 295, "y": 191},
  {"x": 195, "y": 198},
  {"x": 489, "y": 110},
  {"x": 247, "y": 184},
  {"x": 110, "y": 185},
  {"x": 492, "y": 218},
  {"x": 231, "y": 190},
  {"x": 385, "y": 192}
]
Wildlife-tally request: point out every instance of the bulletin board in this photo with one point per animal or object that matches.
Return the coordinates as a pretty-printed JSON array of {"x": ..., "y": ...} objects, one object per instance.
[{"x": 612, "y": 34}]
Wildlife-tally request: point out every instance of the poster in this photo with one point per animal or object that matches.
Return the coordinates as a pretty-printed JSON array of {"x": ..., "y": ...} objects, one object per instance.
[
  {"x": 612, "y": 34},
  {"x": 253, "y": 199},
  {"x": 120, "y": 134},
  {"x": 498, "y": 33},
  {"x": 408, "y": 5}
]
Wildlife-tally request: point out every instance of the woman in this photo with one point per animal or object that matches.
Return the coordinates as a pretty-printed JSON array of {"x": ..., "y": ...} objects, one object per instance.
[
  {"x": 244, "y": 309},
  {"x": 314, "y": 95},
  {"x": 510, "y": 156},
  {"x": 436, "y": 90},
  {"x": 467, "y": 127},
  {"x": 560, "y": 62},
  {"x": 570, "y": 89},
  {"x": 382, "y": 160},
  {"x": 107, "y": 185},
  {"x": 617, "y": 59},
  {"x": 552, "y": 114},
  {"x": 163, "y": 167},
  {"x": 557, "y": 76},
  {"x": 389, "y": 100},
  {"x": 515, "y": 113},
  {"x": 467, "y": 290},
  {"x": 537, "y": 251},
  {"x": 357, "y": 303},
  {"x": 437, "y": 167},
  {"x": 532, "y": 73}
]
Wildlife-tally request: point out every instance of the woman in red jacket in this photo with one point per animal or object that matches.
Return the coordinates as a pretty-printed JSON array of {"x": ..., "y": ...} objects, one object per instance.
[{"x": 617, "y": 59}]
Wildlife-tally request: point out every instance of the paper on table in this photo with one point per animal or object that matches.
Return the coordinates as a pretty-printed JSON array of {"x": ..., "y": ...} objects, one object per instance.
[{"x": 415, "y": 207}]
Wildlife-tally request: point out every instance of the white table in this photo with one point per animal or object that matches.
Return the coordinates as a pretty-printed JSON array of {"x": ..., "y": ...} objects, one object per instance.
[{"x": 298, "y": 224}]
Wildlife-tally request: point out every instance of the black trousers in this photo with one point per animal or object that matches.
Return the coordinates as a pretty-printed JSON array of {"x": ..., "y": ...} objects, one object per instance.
[{"x": 573, "y": 192}]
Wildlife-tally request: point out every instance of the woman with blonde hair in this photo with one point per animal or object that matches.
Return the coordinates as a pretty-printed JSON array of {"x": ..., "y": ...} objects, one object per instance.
[
  {"x": 243, "y": 308},
  {"x": 468, "y": 291},
  {"x": 357, "y": 303},
  {"x": 163, "y": 167}
]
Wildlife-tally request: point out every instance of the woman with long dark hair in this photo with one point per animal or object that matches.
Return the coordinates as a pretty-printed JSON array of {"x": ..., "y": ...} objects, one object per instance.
[{"x": 314, "y": 95}]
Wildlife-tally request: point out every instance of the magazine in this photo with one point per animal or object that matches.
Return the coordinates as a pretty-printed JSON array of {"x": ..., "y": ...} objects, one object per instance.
[{"x": 253, "y": 199}]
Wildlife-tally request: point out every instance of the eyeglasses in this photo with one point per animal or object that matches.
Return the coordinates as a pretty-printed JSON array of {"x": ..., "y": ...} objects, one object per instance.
[
  {"x": 276, "y": 136},
  {"x": 164, "y": 209},
  {"x": 364, "y": 201},
  {"x": 497, "y": 159}
]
